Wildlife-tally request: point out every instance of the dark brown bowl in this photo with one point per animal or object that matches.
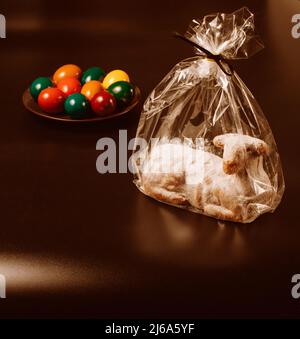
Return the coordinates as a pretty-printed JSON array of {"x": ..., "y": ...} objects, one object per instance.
[{"x": 34, "y": 108}]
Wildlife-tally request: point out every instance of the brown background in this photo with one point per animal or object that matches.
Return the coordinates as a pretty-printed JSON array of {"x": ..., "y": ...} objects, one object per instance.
[{"x": 77, "y": 243}]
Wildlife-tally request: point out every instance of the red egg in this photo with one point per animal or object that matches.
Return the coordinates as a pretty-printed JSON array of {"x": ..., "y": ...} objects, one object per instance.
[
  {"x": 103, "y": 103},
  {"x": 69, "y": 86},
  {"x": 51, "y": 100}
]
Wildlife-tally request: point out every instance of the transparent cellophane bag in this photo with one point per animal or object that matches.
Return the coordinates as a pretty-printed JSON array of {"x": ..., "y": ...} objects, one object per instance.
[{"x": 203, "y": 142}]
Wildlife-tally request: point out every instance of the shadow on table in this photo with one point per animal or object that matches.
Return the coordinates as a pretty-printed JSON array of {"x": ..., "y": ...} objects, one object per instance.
[{"x": 177, "y": 237}]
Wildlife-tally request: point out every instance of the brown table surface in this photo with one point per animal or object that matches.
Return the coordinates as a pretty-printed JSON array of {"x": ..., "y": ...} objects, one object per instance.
[{"x": 74, "y": 243}]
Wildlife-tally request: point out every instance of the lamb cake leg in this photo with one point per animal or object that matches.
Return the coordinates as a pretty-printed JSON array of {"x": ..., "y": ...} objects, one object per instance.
[
  {"x": 166, "y": 196},
  {"x": 165, "y": 188},
  {"x": 220, "y": 212}
]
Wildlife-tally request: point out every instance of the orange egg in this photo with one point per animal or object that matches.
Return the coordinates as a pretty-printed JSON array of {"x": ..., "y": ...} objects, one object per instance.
[
  {"x": 91, "y": 88},
  {"x": 67, "y": 71}
]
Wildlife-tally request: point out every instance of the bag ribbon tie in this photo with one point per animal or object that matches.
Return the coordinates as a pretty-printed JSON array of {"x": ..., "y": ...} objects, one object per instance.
[{"x": 219, "y": 59}]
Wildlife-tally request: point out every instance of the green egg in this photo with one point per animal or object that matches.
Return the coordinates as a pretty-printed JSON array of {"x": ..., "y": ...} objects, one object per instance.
[
  {"x": 76, "y": 106},
  {"x": 123, "y": 92},
  {"x": 38, "y": 86},
  {"x": 93, "y": 73}
]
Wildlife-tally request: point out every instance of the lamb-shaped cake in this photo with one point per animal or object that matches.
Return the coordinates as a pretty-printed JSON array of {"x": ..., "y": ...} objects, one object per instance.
[{"x": 228, "y": 188}]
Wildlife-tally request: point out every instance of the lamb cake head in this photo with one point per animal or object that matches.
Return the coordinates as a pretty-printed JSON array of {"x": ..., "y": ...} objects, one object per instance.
[{"x": 239, "y": 150}]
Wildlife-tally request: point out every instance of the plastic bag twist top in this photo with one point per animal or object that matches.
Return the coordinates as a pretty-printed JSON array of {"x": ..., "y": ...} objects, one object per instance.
[{"x": 230, "y": 35}]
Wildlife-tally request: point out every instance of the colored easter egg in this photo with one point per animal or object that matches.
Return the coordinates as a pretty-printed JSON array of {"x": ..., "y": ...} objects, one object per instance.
[
  {"x": 91, "y": 88},
  {"x": 115, "y": 76},
  {"x": 38, "y": 86},
  {"x": 51, "y": 100},
  {"x": 69, "y": 86},
  {"x": 76, "y": 106},
  {"x": 93, "y": 73},
  {"x": 103, "y": 103},
  {"x": 67, "y": 71},
  {"x": 123, "y": 92}
]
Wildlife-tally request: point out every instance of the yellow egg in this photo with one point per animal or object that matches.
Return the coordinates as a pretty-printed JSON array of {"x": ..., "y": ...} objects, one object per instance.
[
  {"x": 91, "y": 88},
  {"x": 115, "y": 76},
  {"x": 67, "y": 71}
]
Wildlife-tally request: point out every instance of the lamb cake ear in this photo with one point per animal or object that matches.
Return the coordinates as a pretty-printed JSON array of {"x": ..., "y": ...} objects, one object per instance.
[{"x": 237, "y": 149}]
